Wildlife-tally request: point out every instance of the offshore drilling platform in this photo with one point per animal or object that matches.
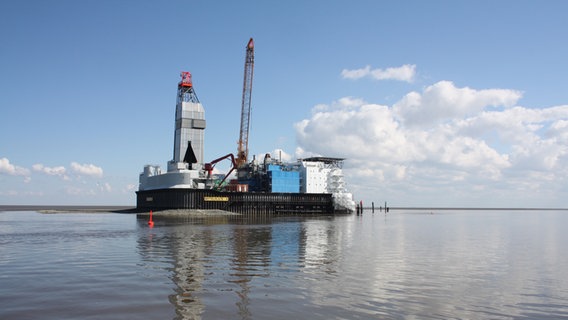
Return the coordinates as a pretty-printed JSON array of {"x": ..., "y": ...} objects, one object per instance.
[{"x": 312, "y": 185}]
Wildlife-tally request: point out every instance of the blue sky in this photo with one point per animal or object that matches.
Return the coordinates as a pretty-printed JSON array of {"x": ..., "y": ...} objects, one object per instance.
[{"x": 433, "y": 103}]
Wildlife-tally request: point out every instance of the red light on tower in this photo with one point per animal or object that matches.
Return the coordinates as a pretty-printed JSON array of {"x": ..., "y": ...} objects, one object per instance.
[{"x": 185, "y": 79}]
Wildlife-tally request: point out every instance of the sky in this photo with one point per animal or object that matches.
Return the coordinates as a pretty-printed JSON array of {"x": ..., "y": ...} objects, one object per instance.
[{"x": 431, "y": 103}]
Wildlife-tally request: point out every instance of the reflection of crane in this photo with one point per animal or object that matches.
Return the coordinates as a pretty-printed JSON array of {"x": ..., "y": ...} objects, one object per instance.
[{"x": 242, "y": 153}]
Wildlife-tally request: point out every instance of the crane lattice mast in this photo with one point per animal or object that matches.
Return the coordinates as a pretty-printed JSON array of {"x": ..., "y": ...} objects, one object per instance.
[{"x": 242, "y": 154}]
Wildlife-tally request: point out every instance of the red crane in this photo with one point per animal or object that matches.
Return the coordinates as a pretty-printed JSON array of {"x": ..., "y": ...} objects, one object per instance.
[
  {"x": 211, "y": 165},
  {"x": 242, "y": 154}
]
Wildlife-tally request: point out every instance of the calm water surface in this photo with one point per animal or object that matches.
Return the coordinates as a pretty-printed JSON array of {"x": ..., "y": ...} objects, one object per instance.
[{"x": 404, "y": 265}]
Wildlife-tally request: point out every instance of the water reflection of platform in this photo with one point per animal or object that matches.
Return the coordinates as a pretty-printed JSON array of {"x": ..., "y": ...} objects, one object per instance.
[{"x": 232, "y": 258}]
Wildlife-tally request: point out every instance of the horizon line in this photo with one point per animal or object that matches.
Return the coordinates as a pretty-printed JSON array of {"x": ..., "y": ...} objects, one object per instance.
[{"x": 17, "y": 207}]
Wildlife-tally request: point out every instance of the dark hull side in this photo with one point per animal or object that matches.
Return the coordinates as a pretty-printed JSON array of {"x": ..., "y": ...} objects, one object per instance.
[{"x": 238, "y": 202}]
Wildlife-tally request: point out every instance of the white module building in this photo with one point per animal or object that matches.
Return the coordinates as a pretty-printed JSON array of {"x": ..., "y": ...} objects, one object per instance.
[{"x": 324, "y": 175}]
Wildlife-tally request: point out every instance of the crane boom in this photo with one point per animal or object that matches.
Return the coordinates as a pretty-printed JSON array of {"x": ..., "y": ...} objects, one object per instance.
[{"x": 242, "y": 153}]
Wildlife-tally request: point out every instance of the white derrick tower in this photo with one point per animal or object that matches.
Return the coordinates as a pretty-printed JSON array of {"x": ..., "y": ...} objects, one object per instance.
[{"x": 189, "y": 128}]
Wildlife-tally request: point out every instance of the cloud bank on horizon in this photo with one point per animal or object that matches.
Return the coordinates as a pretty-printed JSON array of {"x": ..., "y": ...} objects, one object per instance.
[
  {"x": 479, "y": 146},
  {"x": 79, "y": 169},
  {"x": 78, "y": 183}
]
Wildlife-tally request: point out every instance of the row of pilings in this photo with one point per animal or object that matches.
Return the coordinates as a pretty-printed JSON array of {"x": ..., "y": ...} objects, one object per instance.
[{"x": 359, "y": 208}]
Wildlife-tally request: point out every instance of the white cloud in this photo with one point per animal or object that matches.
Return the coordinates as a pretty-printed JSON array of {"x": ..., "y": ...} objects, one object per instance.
[
  {"x": 350, "y": 102},
  {"x": 443, "y": 101},
  {"x": 7, "y": 168},
  {"x": 281, "y": 155},
  {"x": 405, "y": 73},
  {"x": 77, "y": 191},
  {"x": 9, "y": 193},
  {"x": 536, "y": 139},
  {"x": 22, "y": 194},
  {"x": 52, "y": 171},
  {"x": 444, "y": 140},
  {"x": 276, "y": 154},
  {"x": 105, "y": 187},
  {"x": 130, "y": 188},
  {"x": 87, "y": 169},
  {"x": 356, "y": 73}
]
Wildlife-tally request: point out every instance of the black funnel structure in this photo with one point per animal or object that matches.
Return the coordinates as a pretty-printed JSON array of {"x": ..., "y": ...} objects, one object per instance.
[{"x": 189, "y": 154}]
